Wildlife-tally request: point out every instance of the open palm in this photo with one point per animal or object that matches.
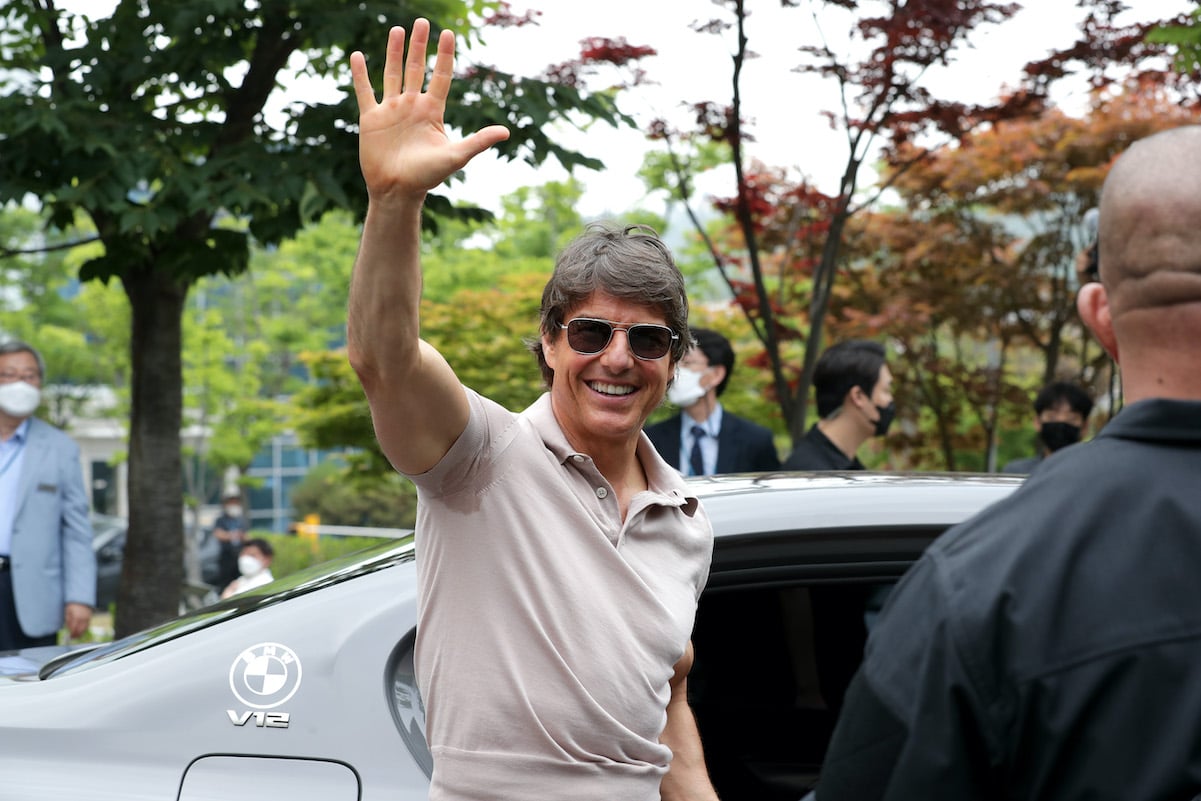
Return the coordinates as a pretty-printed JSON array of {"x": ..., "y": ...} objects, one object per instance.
[{"x": 404, "y": 150}]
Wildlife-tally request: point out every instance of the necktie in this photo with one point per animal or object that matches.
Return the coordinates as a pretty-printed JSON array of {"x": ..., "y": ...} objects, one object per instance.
[{"x": 695, "y": 461}]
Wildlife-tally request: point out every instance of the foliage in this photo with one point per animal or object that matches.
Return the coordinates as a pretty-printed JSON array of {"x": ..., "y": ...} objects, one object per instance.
[
  {"x": 82, "y": 331},
  {"x": 974, "y": 281},
  {"x": 1184, "y": 40},
  {"x": 797, "y": 260},
  {"x": 483, "y": 334},
  {"x": 293, "y": 554},
  {"x": 480, "y": 331},
  {"x": 480, "y": 307},
  {"x": 783, "y": 263},
  {"x": 161, "y": 121},
  {"x": 341, "y": 499}
]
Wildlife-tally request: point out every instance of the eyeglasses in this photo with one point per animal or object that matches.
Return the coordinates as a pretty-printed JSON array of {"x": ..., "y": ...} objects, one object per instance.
[
  {"x": 29, "y": 377},
  {"x": 648, "y": 342}
]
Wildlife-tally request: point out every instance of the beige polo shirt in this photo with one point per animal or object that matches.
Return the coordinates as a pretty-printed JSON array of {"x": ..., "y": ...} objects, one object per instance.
[{"x": 548, "y": 629}]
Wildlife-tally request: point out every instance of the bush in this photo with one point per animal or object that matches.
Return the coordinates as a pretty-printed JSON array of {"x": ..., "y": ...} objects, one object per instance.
[
  {"x": 293, "y": 553},
  {"x": 340, "y": 497}
]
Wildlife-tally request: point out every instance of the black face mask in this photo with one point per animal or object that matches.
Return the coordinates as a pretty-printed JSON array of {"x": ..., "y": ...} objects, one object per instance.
[
  {"x": 887, "y": 413},
  {"x": 1059, "y": 435}
]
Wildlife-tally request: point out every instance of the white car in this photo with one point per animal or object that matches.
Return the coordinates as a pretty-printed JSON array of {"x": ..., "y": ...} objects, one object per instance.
[{"x": 304, "y": 689}]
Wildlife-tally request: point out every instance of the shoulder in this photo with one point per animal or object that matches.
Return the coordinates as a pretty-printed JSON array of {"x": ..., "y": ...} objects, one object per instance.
[
  {"x": 1021, "y": 465},
  {"x": 664, "y": 428},
  {"x": 48, "y": 435},
  {"x": 812, "y": 452}
]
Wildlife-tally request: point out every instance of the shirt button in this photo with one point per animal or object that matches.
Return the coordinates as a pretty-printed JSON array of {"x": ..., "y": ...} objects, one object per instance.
[
  {"x": 579, "y": 457},
  {"x": 602, "y": 493}
]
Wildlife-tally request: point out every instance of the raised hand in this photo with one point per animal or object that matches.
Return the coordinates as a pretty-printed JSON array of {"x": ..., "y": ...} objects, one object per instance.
[{"x": 403, "y": 147}]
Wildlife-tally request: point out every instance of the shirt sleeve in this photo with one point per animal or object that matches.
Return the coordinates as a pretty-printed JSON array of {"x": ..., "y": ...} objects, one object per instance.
[
  {"x": 912, "y": 725},
  {"x": 79, "y": 559}
]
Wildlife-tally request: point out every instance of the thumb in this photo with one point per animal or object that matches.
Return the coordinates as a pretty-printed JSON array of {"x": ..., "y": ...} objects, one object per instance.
[{"x": 481, "y": 140}]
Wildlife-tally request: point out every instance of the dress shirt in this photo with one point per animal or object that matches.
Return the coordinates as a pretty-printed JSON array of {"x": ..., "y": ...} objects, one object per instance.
[
  {"x": 712, "y": 427},
  {"x": 12, "y": 457}
]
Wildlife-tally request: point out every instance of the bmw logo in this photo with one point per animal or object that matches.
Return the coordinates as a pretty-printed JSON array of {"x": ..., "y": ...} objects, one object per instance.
[{"x": 265, "y": 675}]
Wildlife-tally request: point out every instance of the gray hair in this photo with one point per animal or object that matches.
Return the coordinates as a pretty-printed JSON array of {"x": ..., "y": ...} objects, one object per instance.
[
  {"x": 17, "y": 346},
  {"x": 630, "y": 263}
]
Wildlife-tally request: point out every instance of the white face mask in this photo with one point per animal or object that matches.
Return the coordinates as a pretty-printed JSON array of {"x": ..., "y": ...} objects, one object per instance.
[
  {"x": 686, "y": 389},
  {"x": 19, "y": 398},
  {"x": 233, "y": 510},
  {"x": 248, "y": 565}
]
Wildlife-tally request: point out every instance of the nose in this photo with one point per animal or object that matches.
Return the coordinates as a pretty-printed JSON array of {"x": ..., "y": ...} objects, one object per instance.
[{"x": 617, "y": 355}]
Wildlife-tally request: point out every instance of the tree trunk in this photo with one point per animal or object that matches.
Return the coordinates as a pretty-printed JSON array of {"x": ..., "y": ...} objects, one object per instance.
[
  {"x": 819, "y": 304},
  {"x": 152, "y": 573}
]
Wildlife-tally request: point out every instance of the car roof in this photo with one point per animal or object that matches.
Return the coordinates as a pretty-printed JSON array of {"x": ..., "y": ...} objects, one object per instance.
[{"x": 846, "y": 500}]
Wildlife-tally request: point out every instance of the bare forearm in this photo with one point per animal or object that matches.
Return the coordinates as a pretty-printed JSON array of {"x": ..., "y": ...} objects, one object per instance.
[
  {"x": 687, "y": 779},
  {"x": 383, "y": 319}
]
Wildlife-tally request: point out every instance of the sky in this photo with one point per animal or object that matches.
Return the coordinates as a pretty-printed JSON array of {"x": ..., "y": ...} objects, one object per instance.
[{"x": 784, "y": 107}]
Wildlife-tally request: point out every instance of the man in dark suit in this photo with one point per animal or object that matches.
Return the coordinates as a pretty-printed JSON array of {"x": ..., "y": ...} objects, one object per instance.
[
  {"x": 47, "y": 566},
  {"x": 703, "y": 438}
]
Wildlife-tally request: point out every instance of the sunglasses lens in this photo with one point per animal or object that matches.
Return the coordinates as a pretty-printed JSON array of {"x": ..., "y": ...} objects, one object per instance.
[
  {"x": 592, "y": 336},
  {"x": 588, "y": 336},
  {"x": 649, "y": 341}
]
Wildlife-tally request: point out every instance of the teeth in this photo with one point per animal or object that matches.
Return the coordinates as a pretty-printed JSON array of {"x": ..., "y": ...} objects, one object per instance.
[{"x": 611, "y": 389}]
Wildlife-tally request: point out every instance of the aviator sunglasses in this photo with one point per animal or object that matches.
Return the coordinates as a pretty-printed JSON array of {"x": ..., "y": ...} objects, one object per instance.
[{"x": 648, "y": 342}]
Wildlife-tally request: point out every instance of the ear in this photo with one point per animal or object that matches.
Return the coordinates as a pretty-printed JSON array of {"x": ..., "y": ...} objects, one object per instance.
[
  {"x": 720, "y": 371},
  {"x": 856, "y": 395},
  {"x": 548, "y": 344},
  {"x": 1092, "y": 302}
]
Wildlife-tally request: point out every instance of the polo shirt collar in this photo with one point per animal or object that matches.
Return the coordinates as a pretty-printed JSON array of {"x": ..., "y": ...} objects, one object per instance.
[{"x": 661, "y": 477}]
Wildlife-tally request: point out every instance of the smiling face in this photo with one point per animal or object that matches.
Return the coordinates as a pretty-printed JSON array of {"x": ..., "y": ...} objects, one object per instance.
[{"x": 602, "y": 400}]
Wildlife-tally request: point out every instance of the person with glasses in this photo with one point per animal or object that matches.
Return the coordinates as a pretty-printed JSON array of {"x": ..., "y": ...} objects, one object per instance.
[
  {"x": 47, "y": 566},
  {"x": 559, "y": 558},
  {"x": 704, "y": 438}
]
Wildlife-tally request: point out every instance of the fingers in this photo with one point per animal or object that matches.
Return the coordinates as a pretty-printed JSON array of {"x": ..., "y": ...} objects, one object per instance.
[
  {"x": 414, "y": 72},
  {"x": 77, "y": 618},
  {"x": 363, "y": 93},
  {"x": 398, "y": 74},
  {"x": 394, "y": 61},
  {"x": 444, "y": 67}
]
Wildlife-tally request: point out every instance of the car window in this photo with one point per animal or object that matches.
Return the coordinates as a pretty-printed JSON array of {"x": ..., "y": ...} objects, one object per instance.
[
  {"x": 772, "y": 665},
  {"x": 408, "y": 710}
]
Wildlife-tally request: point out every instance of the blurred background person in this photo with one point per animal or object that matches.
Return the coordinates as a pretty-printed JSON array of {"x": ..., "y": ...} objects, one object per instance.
[
  {"x": 254, "y": 567},
  {"x": 1061, "y": 411},
  {"x": 704, "y": 438},
  {"x": 230, "y": 530},
  {"x": 47, "y": 566},
  {"x": 852, "y": 386}
]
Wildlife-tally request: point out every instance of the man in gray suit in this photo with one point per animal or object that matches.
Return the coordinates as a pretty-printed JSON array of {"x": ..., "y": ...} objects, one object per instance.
[{"x": 47, "y": 567}]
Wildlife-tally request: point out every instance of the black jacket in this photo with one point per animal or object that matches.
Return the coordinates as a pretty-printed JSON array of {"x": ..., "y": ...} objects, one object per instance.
[
  {"x": 1049, "y": 648},
  {"x": 817, "y": 452}
]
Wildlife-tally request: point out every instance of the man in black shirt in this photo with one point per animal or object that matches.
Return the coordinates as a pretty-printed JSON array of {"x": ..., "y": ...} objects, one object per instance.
[
  {"x": 1050, "y": 648},
  {"x": 853, "y": 389}
]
